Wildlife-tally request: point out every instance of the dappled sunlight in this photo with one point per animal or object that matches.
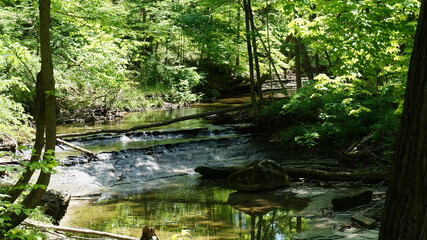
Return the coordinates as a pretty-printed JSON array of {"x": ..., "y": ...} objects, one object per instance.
[{"x": 150, "y": 164}]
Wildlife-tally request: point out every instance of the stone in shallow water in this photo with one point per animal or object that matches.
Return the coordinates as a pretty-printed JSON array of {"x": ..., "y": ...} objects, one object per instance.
[
  {"x": 260, "y": 175},
  {"x": 364, "y": 221},
  {"x": 349, "y": 201}
]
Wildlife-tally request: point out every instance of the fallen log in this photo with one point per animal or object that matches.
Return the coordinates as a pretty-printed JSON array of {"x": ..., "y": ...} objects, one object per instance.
[
  {"x": 150, "y": 125},
  {"x": 80, "y": 231},
  {"x": 365, "y": 177},
  {"x": 75, "y": 147}
]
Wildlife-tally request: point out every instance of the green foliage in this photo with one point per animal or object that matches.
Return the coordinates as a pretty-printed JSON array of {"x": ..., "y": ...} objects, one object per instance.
[
  {"x": 47, "y": 164},
  {"x": 331, "y": 114},
  {"x": 14, "y": 122},
  {"x": 364, "y": 39},
  {"x": 16, "y": 233},
  {"x": 175, "y": 82}
]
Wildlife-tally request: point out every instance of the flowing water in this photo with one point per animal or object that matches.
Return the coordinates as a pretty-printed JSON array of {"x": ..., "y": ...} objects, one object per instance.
[{"x": 147, "y": 178}]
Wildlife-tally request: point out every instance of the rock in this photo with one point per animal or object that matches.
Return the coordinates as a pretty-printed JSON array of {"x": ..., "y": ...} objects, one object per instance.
[
  {"x": 262, "y": 203},
  {"x": 258, "y": 176},
  {"x": 217, "y": 172},
  {"x": 364, "y": 221},
  {"x": 346, "y": 202},
  {"x": 55, "y": 204}
]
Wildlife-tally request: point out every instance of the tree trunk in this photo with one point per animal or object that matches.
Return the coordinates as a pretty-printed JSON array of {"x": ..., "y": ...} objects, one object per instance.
[
  {"x": 297, "y": 63},
  {"x": 306, "y": 58},
  {"x": 38, "y": 144},
  {"x": 405, "y": 214},
  {"x": 328, "y": 58},
  {"x": 47, "y": 82},
  {"x": 238, "y": 36},
  {"x": 255, "y": 50},
  {"x": 317, "y": 61},
  {"x": 250, "y": 55}
]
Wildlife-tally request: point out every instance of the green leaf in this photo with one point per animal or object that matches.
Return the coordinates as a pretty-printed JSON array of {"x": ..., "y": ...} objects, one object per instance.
[{"x": 17, "y": 211}]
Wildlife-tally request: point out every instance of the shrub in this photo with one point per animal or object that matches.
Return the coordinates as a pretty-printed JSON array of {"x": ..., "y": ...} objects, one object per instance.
[{"x": 330, "y": 115}]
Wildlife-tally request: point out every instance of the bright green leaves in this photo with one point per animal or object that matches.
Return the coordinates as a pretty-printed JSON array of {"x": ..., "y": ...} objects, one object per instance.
[
  {"x": 368, "y": 39},
  {"x": 328, "y": 114},
  {"x": 16, "y": 233},
  {"x": 14, "y": 122}
]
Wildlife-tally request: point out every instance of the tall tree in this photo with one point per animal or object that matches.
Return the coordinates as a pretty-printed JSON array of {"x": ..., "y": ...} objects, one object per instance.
[
  {"x": 255, "y": 49},
  {"x": 46, "y": 117},
  {"x": 247, "y": 10},
  {"x": 405, "y": 215}
]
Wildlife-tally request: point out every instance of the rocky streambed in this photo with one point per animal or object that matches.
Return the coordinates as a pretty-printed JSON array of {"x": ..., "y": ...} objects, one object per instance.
[{"x": 148, "y": 178}]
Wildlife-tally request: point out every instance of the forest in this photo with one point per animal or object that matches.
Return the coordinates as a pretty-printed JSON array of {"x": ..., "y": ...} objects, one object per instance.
[{"x": 342, "y": 80}]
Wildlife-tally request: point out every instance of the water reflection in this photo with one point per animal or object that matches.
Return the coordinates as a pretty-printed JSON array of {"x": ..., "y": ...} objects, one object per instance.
[
  {"x": 270, "y": 214},
  {"x": 138, "y": 118},
  {"x": 201, "y": 212}
]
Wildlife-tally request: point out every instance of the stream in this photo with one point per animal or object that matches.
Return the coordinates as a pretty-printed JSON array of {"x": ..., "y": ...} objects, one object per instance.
[{"x": 147, "y": 178}]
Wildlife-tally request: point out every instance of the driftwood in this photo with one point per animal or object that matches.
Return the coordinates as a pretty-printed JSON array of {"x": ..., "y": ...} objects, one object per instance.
[
  {"x": 366, "y": 177},
  {"x": 75, "y": 147},
  {"x": 150, "y": 125},
  {"x": 81, "y": 231}
]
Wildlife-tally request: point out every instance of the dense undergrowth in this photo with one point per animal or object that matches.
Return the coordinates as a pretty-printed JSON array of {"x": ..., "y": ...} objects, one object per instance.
[{"x": 339, "y": 117}]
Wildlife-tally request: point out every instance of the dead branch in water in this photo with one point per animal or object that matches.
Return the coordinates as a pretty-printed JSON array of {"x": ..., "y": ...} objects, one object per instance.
[{"x": 75, "y": 147}]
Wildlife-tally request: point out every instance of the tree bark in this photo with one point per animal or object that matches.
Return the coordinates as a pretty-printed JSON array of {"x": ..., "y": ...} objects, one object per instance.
[
  {"x": 250, "y": 54},
  {"x": 38, "y": 143},
  {"x": 266, "y": 48},
  {"x": 238, "y": 35},
  {"x": 306, "y": 58},
  {"x": 405, "y": 213},
  {"x": 255, "y": 50},
  {"x": 47, "y": 82},
  {"x": 317, "y": 62},
  {"x": 297, "y": 63}
]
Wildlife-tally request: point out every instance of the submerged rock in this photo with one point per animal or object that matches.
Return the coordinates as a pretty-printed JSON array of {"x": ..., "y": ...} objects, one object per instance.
[
  {"x": 364, "y": 221},
  {"x": 258, "y": 176},
  {"x": 349, "y": 201},
  {"x": 262, "y": 203}
]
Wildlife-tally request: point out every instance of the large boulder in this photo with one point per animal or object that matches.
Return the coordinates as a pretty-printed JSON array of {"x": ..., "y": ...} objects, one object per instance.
[{"x": 260, "y": 175}]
